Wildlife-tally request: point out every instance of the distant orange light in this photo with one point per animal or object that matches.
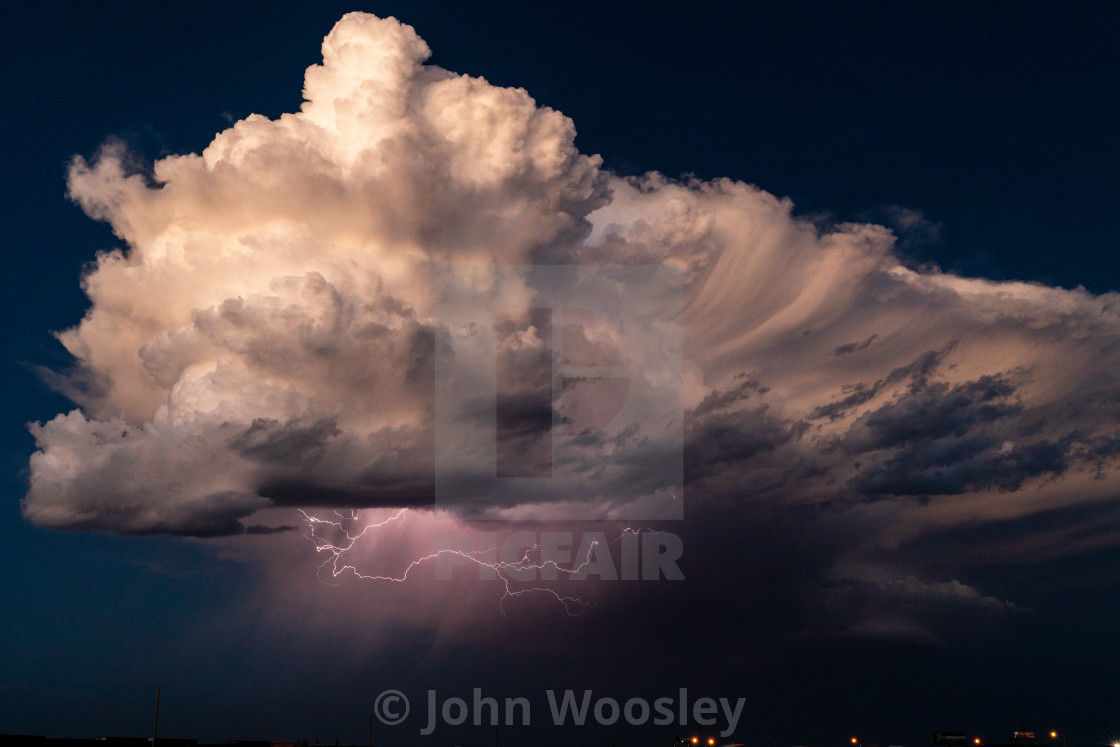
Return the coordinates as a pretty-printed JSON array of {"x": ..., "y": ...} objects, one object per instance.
[
  {"x": 976, "y": 741},
  {"x": 711, "y": 740},
  {"x": 695, "y": 740},
  {"x": 854, "y": 740},
  {"x": 1053, "y": 734}
]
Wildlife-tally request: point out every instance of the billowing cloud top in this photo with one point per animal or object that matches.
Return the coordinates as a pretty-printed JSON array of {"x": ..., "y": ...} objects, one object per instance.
[{"x": 269, "y": 335}]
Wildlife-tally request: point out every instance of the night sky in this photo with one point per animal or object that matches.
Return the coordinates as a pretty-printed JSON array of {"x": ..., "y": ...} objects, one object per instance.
[{"x": 900, "y": 374}]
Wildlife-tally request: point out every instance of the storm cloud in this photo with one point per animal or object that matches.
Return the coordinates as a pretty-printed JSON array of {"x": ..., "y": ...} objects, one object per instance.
[{"x": 267, "y": 337}]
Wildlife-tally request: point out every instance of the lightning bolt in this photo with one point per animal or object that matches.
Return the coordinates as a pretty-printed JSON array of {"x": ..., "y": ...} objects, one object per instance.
[{"x": 336, "y": 565}]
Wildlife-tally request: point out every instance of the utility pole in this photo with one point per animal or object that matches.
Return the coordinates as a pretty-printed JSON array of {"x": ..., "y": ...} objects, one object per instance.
[
  {"x": 155, "y": 725},
  {"x": 1107, "y": 735}
]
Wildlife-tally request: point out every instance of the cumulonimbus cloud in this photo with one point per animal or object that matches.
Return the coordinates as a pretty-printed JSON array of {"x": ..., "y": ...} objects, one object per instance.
[{"x": 267, "y": 336}]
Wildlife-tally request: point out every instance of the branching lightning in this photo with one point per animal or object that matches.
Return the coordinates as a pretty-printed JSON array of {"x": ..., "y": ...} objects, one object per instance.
[{"x": 336, "y": 563}]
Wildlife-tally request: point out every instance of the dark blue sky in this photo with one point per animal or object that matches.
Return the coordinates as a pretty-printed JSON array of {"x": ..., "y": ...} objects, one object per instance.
[{"x": 996, "y": 121}]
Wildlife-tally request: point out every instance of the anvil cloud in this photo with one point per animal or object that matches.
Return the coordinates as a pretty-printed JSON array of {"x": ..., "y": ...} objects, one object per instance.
[{"x": 266, "y": 337}]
